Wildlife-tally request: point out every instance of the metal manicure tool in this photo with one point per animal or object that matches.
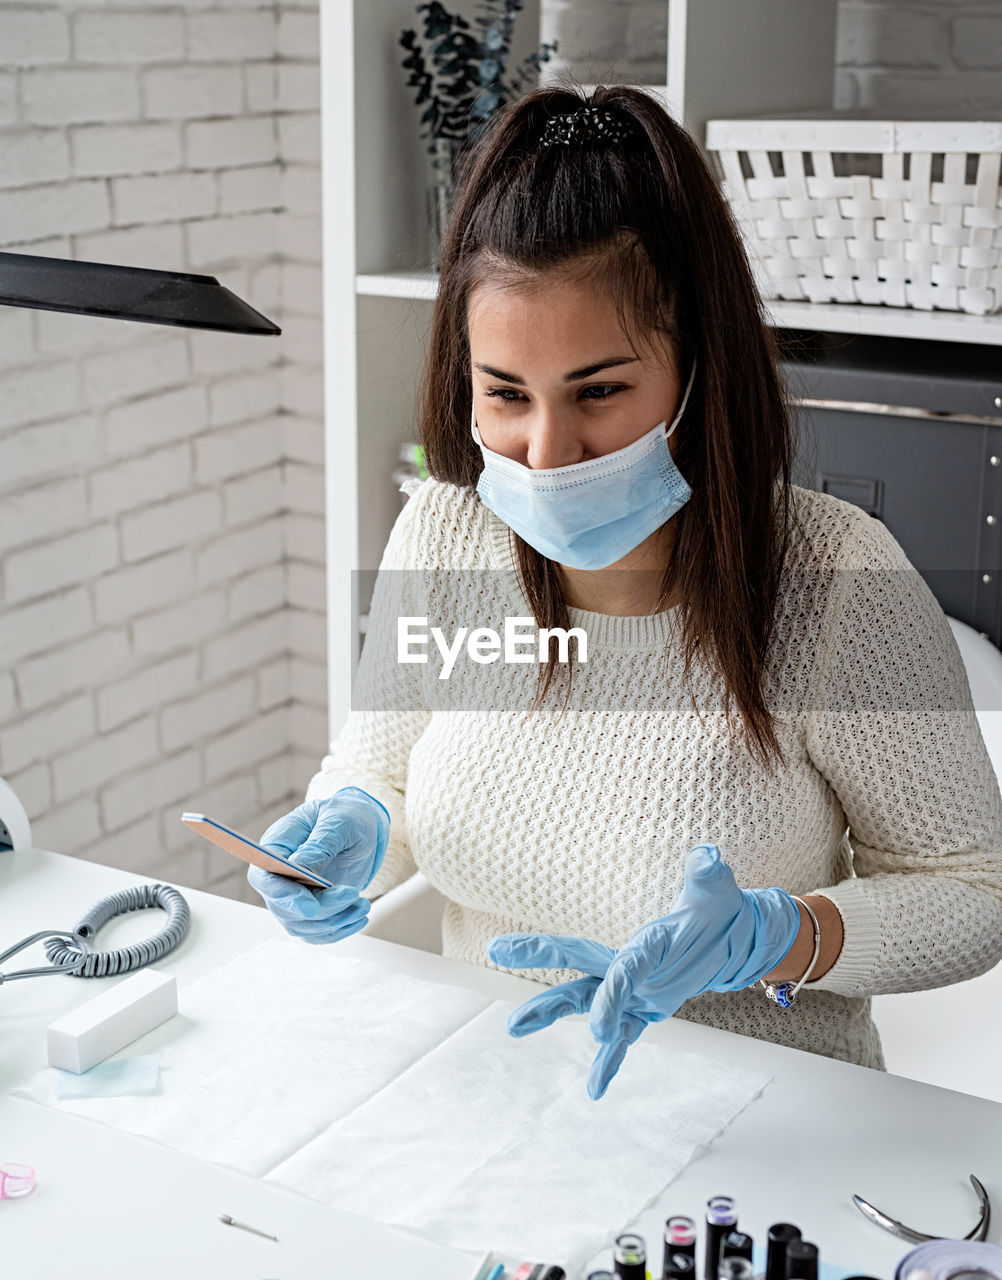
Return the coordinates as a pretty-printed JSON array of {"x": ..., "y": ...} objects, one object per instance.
[
  {"x": 979, "y": 1232},
  {"x": 232, "y": 1222}
]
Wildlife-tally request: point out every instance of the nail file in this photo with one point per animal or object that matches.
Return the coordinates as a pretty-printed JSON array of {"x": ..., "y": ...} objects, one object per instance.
[
  {"x": 87, "y": 1035},
  {"x": 233, "y": 842}
]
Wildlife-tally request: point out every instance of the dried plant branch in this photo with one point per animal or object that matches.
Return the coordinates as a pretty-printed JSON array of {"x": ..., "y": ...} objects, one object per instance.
[{"x": 461, "y": 75}]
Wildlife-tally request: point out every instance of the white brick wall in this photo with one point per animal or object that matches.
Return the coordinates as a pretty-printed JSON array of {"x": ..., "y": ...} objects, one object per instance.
[
  {"x": 891, "y": 53},
  {"x": 913, "y": 53},
  {"x": 607, "y": 40},
  {"x": 161, "y": 543}
]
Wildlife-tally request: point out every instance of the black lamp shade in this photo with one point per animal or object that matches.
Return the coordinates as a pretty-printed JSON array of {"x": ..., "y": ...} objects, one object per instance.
[{"x": 126, "y": 293}]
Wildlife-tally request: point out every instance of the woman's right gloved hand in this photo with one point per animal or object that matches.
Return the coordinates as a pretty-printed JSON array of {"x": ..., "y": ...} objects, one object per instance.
[{"x": 342, "y": 837}]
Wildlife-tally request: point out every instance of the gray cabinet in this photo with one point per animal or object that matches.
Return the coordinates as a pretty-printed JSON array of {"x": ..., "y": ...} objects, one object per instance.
[{"x": 912, "y": 433}]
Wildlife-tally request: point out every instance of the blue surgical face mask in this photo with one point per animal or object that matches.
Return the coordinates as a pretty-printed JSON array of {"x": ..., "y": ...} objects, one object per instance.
[{"x": 590, "y": 514}]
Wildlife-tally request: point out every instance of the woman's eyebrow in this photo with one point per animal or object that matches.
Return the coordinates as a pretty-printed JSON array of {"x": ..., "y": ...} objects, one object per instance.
[{"x": 575, "y": 376}]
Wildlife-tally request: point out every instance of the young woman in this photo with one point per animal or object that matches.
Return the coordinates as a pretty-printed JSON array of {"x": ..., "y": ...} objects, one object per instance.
[{"x": 772, "y": 696}]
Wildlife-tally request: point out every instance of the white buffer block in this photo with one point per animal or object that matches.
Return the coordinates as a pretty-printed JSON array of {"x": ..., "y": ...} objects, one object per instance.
[{"x": 102, "y": 1026}]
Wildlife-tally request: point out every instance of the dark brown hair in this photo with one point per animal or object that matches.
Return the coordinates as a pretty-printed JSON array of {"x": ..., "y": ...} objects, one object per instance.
[{"x": 645, "y": 219}]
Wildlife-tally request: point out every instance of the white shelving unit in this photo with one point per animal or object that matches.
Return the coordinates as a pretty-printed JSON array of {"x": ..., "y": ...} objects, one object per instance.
[
  {"x": 725, "y": 58},
  {"x": 888, "y": 322}
]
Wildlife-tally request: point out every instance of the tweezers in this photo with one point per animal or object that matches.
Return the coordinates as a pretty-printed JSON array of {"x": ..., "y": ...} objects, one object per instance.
[{"x": 979, "y": 1232}]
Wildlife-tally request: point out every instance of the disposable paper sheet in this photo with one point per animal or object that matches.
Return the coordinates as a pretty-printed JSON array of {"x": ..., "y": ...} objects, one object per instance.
[
  {"x": 492, "y": 1142},
  {"x": 405, "y": 1101},
  {"x": 269, "y": 1049}
]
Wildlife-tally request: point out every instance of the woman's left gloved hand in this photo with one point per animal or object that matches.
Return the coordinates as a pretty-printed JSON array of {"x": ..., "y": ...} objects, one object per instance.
[{"x": 716, "y": 937}]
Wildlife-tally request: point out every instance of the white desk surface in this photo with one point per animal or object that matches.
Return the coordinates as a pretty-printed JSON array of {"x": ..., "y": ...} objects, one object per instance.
[{"x": 112, "y": 1206}]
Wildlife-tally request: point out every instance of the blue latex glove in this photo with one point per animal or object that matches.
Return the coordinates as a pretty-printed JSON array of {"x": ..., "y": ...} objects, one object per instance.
[
  {"x": 716, "y": 937},
  {"x": 342, "y": 837}
]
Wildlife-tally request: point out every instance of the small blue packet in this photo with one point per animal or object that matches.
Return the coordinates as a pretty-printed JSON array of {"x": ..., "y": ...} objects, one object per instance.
[{"x": 112, "y": 1079}]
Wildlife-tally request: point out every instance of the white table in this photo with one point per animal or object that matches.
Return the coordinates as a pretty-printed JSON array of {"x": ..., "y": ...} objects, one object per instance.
[{"x": 112, "y": 1205}]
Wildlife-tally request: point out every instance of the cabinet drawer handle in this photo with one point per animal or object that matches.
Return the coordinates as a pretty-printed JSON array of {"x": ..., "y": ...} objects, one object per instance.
[{"x": 895, "y": 411}]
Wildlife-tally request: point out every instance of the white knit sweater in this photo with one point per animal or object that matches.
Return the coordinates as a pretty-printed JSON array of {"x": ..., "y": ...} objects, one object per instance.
[{"x": 578, "y": 824}]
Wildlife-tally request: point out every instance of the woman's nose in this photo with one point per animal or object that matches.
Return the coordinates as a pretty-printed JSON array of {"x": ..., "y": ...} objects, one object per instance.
[{"x": 551, "y": 442}]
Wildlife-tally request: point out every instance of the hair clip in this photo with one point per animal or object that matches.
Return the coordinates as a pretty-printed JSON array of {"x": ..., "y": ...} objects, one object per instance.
[{"x": 586, "y": 124}]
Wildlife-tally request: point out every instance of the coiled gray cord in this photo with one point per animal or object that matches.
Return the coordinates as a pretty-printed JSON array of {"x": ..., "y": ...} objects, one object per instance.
[{"x": 101, "y": 964}]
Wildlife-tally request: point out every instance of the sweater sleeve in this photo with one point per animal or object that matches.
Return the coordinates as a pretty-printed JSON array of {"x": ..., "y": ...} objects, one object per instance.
[
  {"x": 892, "y": 727},
  {"x": 388, "y": 713}
]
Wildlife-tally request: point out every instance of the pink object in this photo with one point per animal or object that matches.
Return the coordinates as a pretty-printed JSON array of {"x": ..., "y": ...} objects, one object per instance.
[
  {"x": 16, "y": 1180},
  {"x": 680, "y": 1230}
]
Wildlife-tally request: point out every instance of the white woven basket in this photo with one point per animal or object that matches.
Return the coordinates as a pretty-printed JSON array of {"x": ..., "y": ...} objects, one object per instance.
[{"x": 829, "y": 215}]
